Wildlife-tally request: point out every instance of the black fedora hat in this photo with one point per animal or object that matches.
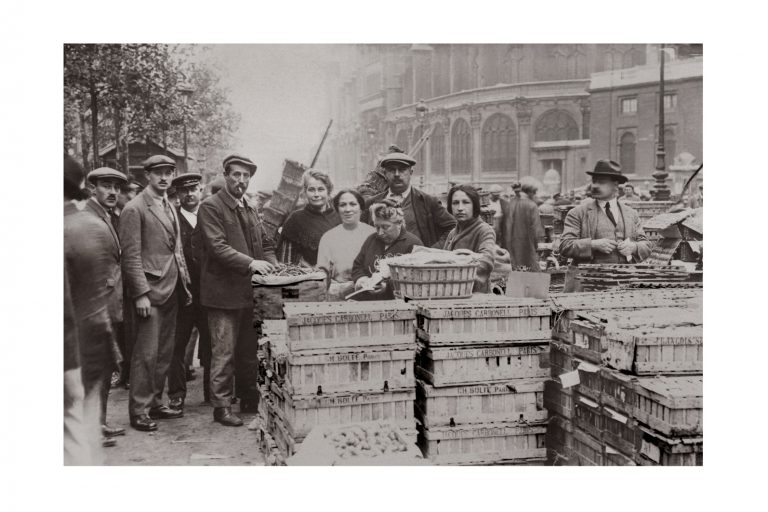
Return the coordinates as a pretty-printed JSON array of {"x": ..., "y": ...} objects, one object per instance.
[{"x": 609, "y": 169}]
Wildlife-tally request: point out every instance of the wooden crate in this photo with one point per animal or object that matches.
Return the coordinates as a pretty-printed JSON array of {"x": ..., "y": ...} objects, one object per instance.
[
  {"x": 336, "y": 325},
  {"x": 273, "y": 217},
  {"x": 301, "y": 413},
  {"x": 587, "y": 451},
  {"x": 670, "y": 405},
  {"x": 620, "y": 431},
  {"x": 557, "y": 399},
  {"x": 488, "y": 320},
  {"x": 587, "y": 415},
  {"x": 587, "y": 340},
  {"x": 613, "y": 457},
  {"x": 450, "y": 366},
  {"x": 561, "y": 358},
  {"x": 483, "y": 444},
  {"x": 268, "y": 301},
  {"x": 559, "y": 440},
  {"x": 590, "y": 384},
  {"x": 293, "y": 172},
  {"x": 282, "y": 202},
  {"x": 519, "y": 400},
  {"x": 658, "y": 450},
  {"x": 618, "y": 391},
  {"x": 353, "y": 370},
  {"x": 678, "y": 351}
]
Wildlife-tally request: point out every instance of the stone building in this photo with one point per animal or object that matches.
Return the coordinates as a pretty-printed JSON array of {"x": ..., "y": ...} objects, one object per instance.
[{"x": 496, "y": 112}]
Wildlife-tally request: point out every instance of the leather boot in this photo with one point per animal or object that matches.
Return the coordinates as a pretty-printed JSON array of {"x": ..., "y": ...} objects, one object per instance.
[{"x": 226, "y": 417}]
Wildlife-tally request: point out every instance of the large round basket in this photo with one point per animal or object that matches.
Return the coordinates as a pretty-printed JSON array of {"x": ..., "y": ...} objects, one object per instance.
[{"x": 433, "y": 281}]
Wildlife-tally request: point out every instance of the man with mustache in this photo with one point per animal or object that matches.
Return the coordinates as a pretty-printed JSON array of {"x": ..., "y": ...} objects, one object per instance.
[
  {"x": 189, "y": 191},
  {"x": 604, "y": 230},
  {"x": 157, "y": 282},
  {"x": 106, "y": 184},
  {"x": 235, "y": 247},
  {"x": 424, "y": 216}
]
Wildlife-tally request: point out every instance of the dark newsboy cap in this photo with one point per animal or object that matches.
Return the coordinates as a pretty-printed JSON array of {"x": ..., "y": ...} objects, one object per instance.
[
  {"x": 238, "y": 159},
  {"x": 391, "y": 158},
  {"x": 186, "y": 180},
  {"x": 609, "y": 169},
  {"x": 106, "y": 173},
  {"x": 157, "y": 162}
]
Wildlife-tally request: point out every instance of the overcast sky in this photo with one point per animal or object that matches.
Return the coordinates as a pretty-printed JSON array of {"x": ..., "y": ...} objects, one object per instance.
[{"x": 280, "y": 92}]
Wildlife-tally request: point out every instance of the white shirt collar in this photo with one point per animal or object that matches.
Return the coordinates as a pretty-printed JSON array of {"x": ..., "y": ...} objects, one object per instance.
[
  {"x": 190, "y": 216},
  {"x": 614, "y": 204},
  {"x": 404, "y": 195}
]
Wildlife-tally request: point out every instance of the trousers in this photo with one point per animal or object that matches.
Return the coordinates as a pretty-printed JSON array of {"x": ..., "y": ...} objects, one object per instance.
[
  {"x": 188, "y": 317},
  {"x": 79, "y": 443},
  {"x": 152, "y": 353},
  {"x": 234, "y": 351}
]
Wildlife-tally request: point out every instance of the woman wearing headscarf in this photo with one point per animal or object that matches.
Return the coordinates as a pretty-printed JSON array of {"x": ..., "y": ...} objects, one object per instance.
[
  {"x": 471, "y": 233},
  {"x": 390, "y": 239},
  {"x": 302, "y": 231},
  {"x": 339, "y": 246}
]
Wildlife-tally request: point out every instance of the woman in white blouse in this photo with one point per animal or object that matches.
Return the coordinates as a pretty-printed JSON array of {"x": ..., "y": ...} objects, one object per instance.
[{"x": 340, "y": 245}]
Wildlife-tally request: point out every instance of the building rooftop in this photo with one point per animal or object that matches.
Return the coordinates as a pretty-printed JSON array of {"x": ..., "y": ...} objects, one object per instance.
[{"x": 648, "y": 74}]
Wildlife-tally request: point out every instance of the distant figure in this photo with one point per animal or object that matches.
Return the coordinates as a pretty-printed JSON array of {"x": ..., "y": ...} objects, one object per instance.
[
  {"x": 522, "y": 230},
  {"x": 495, "y": 204},
  {"x": 560, "y": 200},
  {"x": 629, "y": 193}
]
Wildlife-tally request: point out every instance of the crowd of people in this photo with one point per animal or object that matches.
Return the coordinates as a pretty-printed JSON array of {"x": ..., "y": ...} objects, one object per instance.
[{"x": 146, "y": 268}]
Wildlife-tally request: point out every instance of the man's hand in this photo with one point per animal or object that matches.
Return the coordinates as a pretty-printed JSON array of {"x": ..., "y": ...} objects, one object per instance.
[
  {"x": 604, "y": 245},
  {"x": 362, "y": 283},
  {"x": 627, "y": 247},
  {"x": 143, "y": 306},
  {"x": 260, "y": 267}
]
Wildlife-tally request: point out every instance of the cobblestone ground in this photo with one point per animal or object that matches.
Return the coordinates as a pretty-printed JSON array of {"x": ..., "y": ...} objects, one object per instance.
[{"x": 194, "y": 440}]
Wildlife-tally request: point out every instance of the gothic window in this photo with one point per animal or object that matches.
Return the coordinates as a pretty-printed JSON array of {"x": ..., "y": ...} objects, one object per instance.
[
  {"x": 461, "y": 147},
  {"x": 437, "y": 150},
  {"x": 627, "y": 153},
  {"x": 556, "y": 125},
  {"x": 499, "y": 143},
  {"x": 402, "y": 140}
]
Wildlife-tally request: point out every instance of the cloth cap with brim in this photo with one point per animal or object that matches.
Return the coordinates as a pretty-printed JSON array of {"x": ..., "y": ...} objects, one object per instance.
[
  {"x": 495, "y": 189},
  {"x": 391, "y": 158},
  {"x": 186, "y": 180},
  {"x": 608, "y": 169},
  {"x": 238, "y": 159},
  {"x": 158, "y": 162},
  {"x": 106, "y": 173}
]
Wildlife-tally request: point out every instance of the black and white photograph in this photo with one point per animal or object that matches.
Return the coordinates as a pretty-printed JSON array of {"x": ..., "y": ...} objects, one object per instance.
[{"x": 430, "y": 263}]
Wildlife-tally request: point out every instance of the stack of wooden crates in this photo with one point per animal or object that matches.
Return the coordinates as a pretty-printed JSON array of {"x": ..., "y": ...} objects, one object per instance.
[
  {"x": 284, "y": 197},
  {"x": 481, "y": 367},
  {"x": 340, "y": 363},
  {"x": 626, "y": 385}
]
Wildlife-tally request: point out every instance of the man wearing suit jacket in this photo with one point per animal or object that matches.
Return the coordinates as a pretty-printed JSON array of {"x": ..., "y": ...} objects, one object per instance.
[
  {"x": 189, "y": 192},
  {"x": 157, "y": 280},
  {"x": 106, "y": 183},
  {"x": 235, "y": 246},
  {"x": 425, "y": 217}
]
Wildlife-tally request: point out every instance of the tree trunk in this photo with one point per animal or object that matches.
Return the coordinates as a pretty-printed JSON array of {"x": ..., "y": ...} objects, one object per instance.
[
  {"x": 118, "y": 139},
  {"x": 94, "y": 124},
  {"x": 84, "y": 146}
]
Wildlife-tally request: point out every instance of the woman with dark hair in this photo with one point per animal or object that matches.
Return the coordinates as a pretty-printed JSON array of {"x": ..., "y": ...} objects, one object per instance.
[
  {"x": 471, "y": 233},
  {"x": 390, "y": 239},
  {"x": 300, "y": 237},
  {"x": 339, "y": 246}
]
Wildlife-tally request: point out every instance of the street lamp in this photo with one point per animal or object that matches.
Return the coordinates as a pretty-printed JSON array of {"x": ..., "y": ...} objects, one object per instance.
[
  {"x": 186, "y": 91},
  {"x": 661, "y": 190}
]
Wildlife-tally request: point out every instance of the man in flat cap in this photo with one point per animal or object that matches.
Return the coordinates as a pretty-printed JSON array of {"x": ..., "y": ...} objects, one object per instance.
[
  {"x": 604, "y": 230},
  {"x": 105, "y": 190},
  {"x": 496, "y": 204},
  {"x": 189, "y": 190},
  {"x": 157, "y": 281},
  {"x": 425, "y": 217},
  {"x": 235, "y": 247}
]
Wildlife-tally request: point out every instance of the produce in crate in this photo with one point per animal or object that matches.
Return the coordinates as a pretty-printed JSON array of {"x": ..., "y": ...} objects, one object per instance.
[{"x": 283, "y": 274}]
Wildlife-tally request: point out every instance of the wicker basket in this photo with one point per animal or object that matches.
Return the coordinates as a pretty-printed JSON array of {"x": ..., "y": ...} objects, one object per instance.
[{"x": 433, "y": 281}]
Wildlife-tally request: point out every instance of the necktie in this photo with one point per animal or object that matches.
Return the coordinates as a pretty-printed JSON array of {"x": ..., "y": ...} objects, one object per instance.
[
  {"x": 609, "y": 214},
  {"x": 113, "y": 218},
  {"x": 169, "y": 213}
]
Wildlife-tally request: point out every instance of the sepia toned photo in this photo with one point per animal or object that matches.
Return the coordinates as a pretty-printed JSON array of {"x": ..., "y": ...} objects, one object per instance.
[{"x": 383, "y": 254}]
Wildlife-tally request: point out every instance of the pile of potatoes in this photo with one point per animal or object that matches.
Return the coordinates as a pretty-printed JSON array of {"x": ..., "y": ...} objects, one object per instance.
[{"x": 366, "y": 441}]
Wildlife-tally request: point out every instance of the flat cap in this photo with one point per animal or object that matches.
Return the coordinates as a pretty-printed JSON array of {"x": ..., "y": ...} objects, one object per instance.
[
  {"x": 610, "y": 169},
  {"x": 106, "y": 172},
  {"x": 238, "y": 159},
  {"x": 397, "y": 157},
  {"x": 186, "y": 179},
  {"x": 158, "y": 161},
  {"x": 496, "y": 189}
]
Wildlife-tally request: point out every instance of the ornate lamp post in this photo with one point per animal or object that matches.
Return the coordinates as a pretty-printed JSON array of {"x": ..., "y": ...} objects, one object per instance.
[{"x": 661, "y": 190}]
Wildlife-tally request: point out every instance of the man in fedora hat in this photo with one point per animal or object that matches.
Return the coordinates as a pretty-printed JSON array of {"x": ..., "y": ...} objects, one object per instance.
[
  {"x": 235, "y": 246},
  {"x": 604, "y": 230},
  {"x": 425, "y": 217},
  {"x": 157, "y": 282},
  {"x": 106, "y": 184}
]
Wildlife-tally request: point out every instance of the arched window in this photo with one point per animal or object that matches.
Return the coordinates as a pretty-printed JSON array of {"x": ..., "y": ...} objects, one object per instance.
[
  {"x": 437, "y": 150},
  {"x": 627, "y": 153},
  {"x": 402, "y": 140},
  {"x": 421, "y": 156},
  {"x": 499, "y": 137},
  {"x": 461, "y": 147},
  {"x": 556, "y": 125},
  {"x": 670, "y": 147}
]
